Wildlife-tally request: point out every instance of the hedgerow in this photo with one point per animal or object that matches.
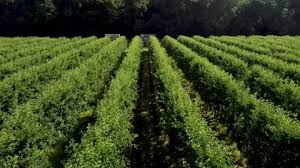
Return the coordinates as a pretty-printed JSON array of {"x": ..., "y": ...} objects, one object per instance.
[
  {"x": 285, "y": 69},
  {"x": 106, "y": 143},
  {"x": 15, "y": 53},
  {"x": 35, "y": 134},
  {"x": 265, "y": 83},
  {"x": 27, "y": 84},
  {"x": 30, "y": 60},
  {"x": 264, "y": 132},
  {"x": 235, "y": 66},
  {"x": 183, "y": 114}
]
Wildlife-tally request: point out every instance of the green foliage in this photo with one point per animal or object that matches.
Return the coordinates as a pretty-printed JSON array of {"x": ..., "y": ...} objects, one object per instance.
[
  {"x": 241, "y": 43},
  {"x": 106, "y": 143},
  {"x": 262, "y": 81},
  {"x": 270, "y": 86},
  {"x": 260, "y": 128},
  {"x": 27, "y": 84},
  {"x": 281, "y": 48},
  {"x": 18, "y": 52},
  {"x": 285, "y": 69},
  {"x": 71, "y": 102},
  {"x": 229, "y": 63},
  {"x": 35, "y": 58},
  {"x": 35, "y": 134},
  {"x": 266, "y": 17},
  {"x": 286, "y": 41},
  {"x": 182, "y": 114},
  {"x": 11, "y": 45},
  {"x": 27, "y": 17},
  {"x": 264, "y": 46}
]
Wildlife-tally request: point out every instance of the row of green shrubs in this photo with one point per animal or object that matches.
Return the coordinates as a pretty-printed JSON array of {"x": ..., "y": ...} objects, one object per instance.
[
  {"x": 262, "y": 46},
  {"x": 286, "y": 70},
  {"x": 240, "y": 42},
  {"x": 228, "y": 62},
  {"x": 28, "y": 83},
  {"x": 264, "y": 82},
  {"x": 182, "y": 117},
  {"x": 25, "y": 50},
  {"x": 287, "y": 45},
  {"x": 35, "y": 59},
  {"x": 37, "y": 134},
  {"x": 11, "y": 45},
  {"x": 264, "y": 132},
  {"x": 16, "y": 41},
  {"x": 108, "y": 142}
]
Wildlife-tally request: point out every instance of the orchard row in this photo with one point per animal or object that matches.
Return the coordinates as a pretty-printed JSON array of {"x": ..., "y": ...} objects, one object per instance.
[{"x": 186, "y": 102}]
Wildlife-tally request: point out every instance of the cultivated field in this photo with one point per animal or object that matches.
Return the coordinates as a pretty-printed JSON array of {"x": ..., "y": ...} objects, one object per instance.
[{"x": 188, "y": 102}]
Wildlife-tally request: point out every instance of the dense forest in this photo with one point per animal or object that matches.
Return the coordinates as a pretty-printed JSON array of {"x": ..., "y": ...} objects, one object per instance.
[{"x": 95, "y": 17}]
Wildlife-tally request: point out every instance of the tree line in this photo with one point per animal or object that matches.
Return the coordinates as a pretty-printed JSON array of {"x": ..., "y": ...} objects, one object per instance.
[{"x": 95, "y": 17}]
